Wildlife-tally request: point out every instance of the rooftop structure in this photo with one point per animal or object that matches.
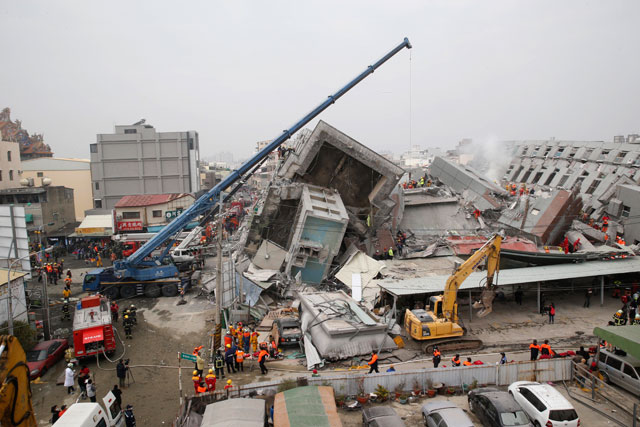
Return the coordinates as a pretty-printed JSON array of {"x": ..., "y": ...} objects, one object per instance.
[{"x": 31, "y": 146}]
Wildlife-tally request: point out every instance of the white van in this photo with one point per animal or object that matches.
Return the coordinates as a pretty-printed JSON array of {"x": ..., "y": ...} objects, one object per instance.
[
  {"x": 624, "y": 371},
  {"x": 544, "y": 404},
  {"x": 93, "y": 415}
]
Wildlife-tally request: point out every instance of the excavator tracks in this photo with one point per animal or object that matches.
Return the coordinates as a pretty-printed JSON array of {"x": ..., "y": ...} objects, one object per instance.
[{"x": 448, "y": 345}]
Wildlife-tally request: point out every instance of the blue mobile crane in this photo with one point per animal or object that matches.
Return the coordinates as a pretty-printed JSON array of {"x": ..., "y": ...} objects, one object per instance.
[{"x": 142, "y": 273}]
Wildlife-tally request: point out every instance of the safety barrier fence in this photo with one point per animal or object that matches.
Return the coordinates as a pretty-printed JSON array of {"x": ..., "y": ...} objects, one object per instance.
[{"x": 350, "y": 383}]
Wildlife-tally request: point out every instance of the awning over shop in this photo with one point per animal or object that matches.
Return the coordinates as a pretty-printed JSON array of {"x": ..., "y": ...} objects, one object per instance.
[
  {"x": 626, "y": 338},
  {"x": 514, "y": 276},
  {"x": 92, "y": 335},
  {"x": 95, "y": 225}
]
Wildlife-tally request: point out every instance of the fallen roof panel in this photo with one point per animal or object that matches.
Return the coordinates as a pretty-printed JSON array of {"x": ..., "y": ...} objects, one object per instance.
[{"x": 515, "y": 276}]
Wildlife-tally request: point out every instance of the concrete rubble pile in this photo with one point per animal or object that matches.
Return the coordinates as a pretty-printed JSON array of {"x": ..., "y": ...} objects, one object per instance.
[{"x": 322, "y": 231}]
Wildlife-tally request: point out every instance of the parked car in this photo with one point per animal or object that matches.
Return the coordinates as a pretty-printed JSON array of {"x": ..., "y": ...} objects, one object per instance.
[
  {"x": 544, "y": 404},
  {"x": 496, "y": 408},
  {"x": 381, "y": 416},
  {"x": 44, "y": 355},
  {"x": 444, "y": 414},
  {"x": 623, "y": 371},
  {"x": 287, "y": 331}
]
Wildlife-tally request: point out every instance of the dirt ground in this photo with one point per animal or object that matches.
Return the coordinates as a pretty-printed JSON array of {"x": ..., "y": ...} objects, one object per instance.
[{"x": 164, "y": 329}]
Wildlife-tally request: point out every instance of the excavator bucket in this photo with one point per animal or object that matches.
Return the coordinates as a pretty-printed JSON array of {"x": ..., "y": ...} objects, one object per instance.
[
  {"x": 16, "y": 408},
  {"x": 485, "y": 303}
]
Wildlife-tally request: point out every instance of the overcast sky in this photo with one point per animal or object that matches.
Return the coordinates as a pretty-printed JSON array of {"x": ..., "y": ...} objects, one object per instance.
[{"x": 242, "y": 71}]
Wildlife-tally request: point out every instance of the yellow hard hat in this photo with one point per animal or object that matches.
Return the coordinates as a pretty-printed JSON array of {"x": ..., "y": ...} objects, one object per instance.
[
  {"x": 228, "y": 381},
  {"x": 228, "y": 345},
  {"x": 126, "y": 317},
  {"x": 195, "y": 372},
  {"x": 211, "y": 371}
]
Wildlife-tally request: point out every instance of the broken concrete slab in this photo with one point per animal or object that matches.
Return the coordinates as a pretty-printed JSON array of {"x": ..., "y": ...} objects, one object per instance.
[
  {"x": 339, "y": 327},
  {"x": 269, "y": 256},
  {"x": 330, "y": 158}
]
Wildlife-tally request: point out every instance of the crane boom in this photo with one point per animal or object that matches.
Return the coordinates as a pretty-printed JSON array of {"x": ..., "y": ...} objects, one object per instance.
[{"x": 127, "y": 267}]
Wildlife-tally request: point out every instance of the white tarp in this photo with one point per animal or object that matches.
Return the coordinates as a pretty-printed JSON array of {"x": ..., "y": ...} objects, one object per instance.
[{"x": 367, "y": 268}]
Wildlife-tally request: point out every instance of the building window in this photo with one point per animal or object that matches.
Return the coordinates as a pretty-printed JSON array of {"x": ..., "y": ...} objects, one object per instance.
[
  {"x": 130, "y": 215},
  {"x": 97, "y": 185},
  {"x": 9, "y": 156},
  {"x": 190, "y": 143},
  {"x": 563, "y": 180},
  {"x": 93, "y": 148},
  {"x": 626, "y": 211},
  {"x": 11, "y": 175},
  {"x": 537, "y": 177},
  {"x": 559, "y": 152},
  {"x": 546, "y": 151},
  {"x": 621, "y": 155},
  {"x": 130, "y": 131},
  {"x": 0, "y": 175},
  {"x": 573, "y": 152},
  {"x": 593, "y": 186},
  {"x": 603, "y": 154},
  {"x": 97, "y": 203},
  {"x": 157, "y": 214},
  {"x": 40, "y": 174}
]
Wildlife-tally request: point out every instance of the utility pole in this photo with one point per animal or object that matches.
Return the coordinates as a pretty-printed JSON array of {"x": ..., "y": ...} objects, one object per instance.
[
  {"x": 217, "y": 336},
  {"x": 47, "y": 320}
]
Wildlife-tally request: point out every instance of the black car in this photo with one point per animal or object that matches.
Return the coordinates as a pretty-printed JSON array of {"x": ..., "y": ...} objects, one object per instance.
[
  {"x": 496, "y": 408},
  {"x": 287, "y": 331},
  {"x": 381, "y": 416}
]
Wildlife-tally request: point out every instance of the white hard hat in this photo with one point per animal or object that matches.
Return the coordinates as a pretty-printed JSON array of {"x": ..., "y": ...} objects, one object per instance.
[{"x": 69, "y": 365}]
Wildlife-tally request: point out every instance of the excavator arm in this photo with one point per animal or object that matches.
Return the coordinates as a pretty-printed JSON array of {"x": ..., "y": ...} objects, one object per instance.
[
  {"x": 16, "y": 408},
  {"x": 490, "y": 252}
]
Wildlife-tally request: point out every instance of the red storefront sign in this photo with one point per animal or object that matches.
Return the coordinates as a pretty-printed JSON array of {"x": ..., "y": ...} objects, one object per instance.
[{"x": 129, "y": 226}]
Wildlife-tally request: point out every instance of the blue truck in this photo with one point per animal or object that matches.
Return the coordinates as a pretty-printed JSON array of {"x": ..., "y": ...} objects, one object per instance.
[{"x": 153, "y": 275}]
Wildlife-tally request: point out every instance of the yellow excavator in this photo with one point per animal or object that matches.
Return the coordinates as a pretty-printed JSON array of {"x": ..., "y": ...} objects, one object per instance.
[
  {"x": 439, "y": 325},
  {"x": 16, "y": 408}
]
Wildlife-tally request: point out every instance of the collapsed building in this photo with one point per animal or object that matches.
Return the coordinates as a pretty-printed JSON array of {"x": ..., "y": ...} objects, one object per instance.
[{"x": 333, "y": 207}]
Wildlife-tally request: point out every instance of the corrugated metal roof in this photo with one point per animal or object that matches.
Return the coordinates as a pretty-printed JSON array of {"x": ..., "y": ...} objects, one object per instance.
[
  {"x": 96, "y": 221},
  {"x": 55, "y": 164},
  {"x": 515, "y": 276},
  {"x": 148, "y": 199}
]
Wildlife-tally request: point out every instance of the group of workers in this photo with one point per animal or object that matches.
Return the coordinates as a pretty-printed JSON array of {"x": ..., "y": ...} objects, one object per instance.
[
  {"x": 129, "y": 317},
  {"x": 513, "y": 189},
  {"x": 53, "y": 271},
  {"x": 422, "y": 182},
  {"x": 543, "y": 350}
]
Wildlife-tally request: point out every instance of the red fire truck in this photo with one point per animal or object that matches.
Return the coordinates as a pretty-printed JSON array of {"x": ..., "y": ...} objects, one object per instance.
[{"x": 92, "y": 327}]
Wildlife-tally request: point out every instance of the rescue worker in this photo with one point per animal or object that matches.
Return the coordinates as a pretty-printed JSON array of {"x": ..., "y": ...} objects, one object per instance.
[
  {"x": 199, "y": 364},
  {"x": 262, "y": 357},
  {"x": 114, "y": 311},
  {"x": 127, "y": 327},
  {"x": 455, "y": 361},
  {"x": 228, "y": 338},
  {"x": 229, "y": 356},
  {"x": 66, "y": 292},
  {"x": 196, "y": 381},
  {"x": 436, "y": 356},
  {"x": 619, "y": 318},
  {"x": 65, "y": 309},
  {"x": 467, "y": 362},
  {"x": 254, "y": 341},
  {"x": 239, "y": 360},
  {"x": 218, "y": 363},
  {"x": 132, "y": 314},
  {"x": 605, "y": 224},
  {"x": 535, "y": 349},
  {"x": 373, "y": 363},
  {"x": 210, "y": 379},
  {"x": 545, "y": 349},
  {"x": 125, "y": 313},
  {"x": 228, "y": 387},
  {"x": 636, "y": 321},
  {"x": 247, "y": 339},
  {"x": 67, "y": 281},
  {"x": 202, "y": 388},
  {"x": 390, "y": 253}
]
